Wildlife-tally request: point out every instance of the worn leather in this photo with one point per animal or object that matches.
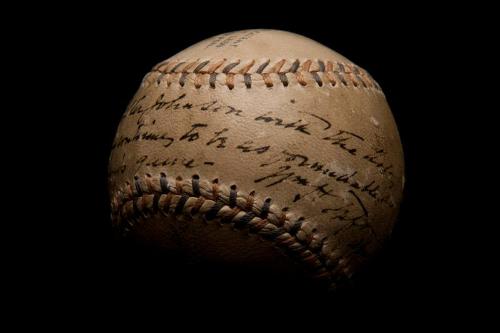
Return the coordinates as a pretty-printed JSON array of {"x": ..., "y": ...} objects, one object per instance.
[{"x": 310, "y": 130}]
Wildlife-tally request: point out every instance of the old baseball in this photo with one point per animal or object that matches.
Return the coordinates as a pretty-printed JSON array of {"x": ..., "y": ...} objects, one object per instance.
[{"x": 260, "y": 148}]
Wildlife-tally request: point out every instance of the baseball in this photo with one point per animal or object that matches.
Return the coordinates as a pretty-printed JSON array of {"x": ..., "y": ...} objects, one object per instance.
[{"x": 259, "y": 148}]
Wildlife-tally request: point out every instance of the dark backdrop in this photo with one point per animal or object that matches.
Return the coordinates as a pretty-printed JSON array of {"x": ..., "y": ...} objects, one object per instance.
[{"x": 102, "y": 57}]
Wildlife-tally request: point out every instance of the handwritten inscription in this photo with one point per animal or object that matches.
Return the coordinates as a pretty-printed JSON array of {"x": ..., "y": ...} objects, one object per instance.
[
  {"x": 165, "y": 140},
  {"x": 219, "y": 138},
  {"x": 140, "y": 107},
  {"x": 188, "y": 163},
  {"x": 326, "y": 123},
  {"x": 377, "y": 156},
  {"x": 342, "y": 139},
  {"x": 318, "y": 191},
  {"x": 281, "y": 174},
  {"x": 377, "y": 159},
  {"x": 351, "y": 211},
  {"x": 346, "y": 140},
  {"x": 197, "y": 132},
  {"x": 192, "y": 134},
  {"x": 249, "y": 146},
  {"x": 296, "y": 125},
  {"x": 348, "y": 191},
  {"x": 288, "y": 166}
]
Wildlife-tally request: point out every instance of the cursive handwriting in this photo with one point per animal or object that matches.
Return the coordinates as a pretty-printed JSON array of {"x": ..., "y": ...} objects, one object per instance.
[
  {"x": 122, "y": 140},
  {"x": 281, "y": 175},
  {"x": 139, "y": 107},
  {"x": 320, "y": 191},
  {"x": 327, "y": 124},
  {"x": 296, "y": 125},
  {"x": 377, "y": 158},
  {"x": 352, "y": 212},
  {"x": 192, "y": 134},
  {"x": 289, "y": 164},
  {"x": 219, "y": 138},
  {"x": 247, "y": 147},
  {"x": 342, "y": 139},
  {"x": 188, "y": 163}
]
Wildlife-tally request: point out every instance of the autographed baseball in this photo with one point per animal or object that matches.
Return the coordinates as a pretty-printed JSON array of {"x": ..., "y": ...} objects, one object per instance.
[{"x": 259, "y": 148}]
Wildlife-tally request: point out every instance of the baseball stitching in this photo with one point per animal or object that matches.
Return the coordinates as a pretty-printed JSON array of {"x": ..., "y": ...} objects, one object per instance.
[
  {"x": 208, "y": 72},
  {"x": 212, "y": 201}
]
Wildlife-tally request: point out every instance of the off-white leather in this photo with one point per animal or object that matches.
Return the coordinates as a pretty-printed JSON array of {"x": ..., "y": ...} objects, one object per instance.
[{"x": 327, "y": 110}]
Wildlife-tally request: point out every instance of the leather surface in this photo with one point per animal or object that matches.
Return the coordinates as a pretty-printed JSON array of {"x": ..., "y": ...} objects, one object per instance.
[{"x": 310, "y": 130}]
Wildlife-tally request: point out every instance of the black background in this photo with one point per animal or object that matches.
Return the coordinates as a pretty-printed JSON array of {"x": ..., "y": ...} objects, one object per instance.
[{"x": 97, "y": 60}]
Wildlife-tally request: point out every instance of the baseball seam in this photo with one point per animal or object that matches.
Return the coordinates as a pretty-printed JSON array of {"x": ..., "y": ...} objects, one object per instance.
[
  {"x": 211, "y": 201},
  {"x": 323, "y": 73}
]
